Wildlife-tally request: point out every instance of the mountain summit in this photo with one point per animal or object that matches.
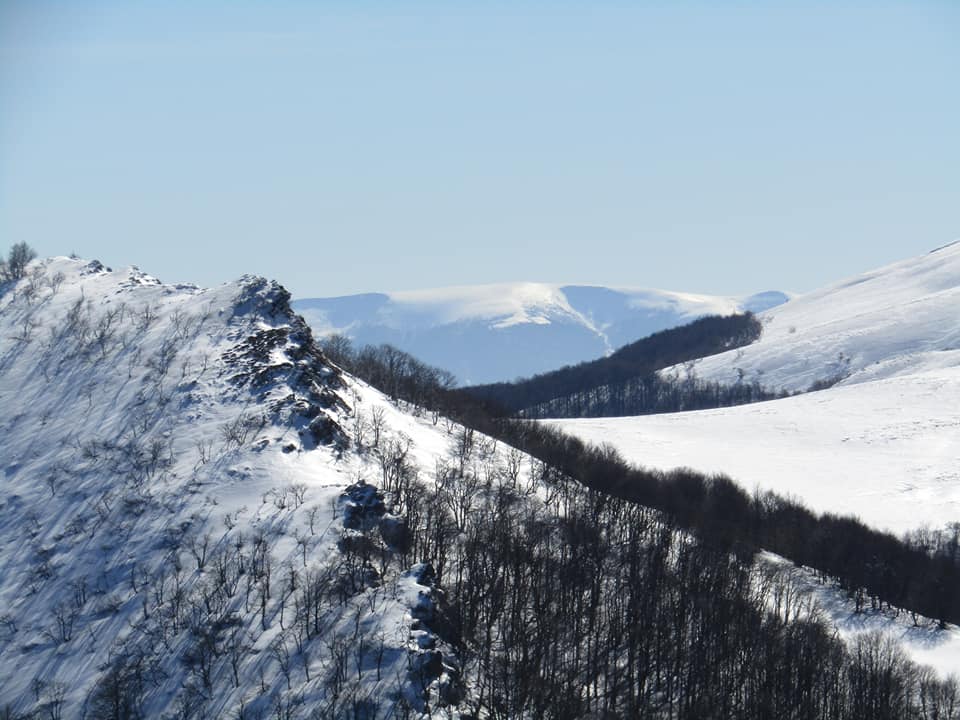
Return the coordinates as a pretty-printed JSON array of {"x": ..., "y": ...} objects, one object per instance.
[{"x": 180, "y": 508}]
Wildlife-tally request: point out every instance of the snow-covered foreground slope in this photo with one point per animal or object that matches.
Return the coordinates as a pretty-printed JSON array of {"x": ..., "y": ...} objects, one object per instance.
[
  {"x": 887, "y": 451},
  {"x": 174, "y": 528},
  {"x": 488, "y": 333},
  {"x": 897, "y": 320}
]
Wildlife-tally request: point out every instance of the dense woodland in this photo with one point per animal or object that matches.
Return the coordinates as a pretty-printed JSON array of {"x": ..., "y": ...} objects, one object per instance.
[
  {"x": 650, "y": 394},
  {"x": 581, "y": 605},
  {"x": 564, "y": 602},
  {"x": 627, "y": 382}
]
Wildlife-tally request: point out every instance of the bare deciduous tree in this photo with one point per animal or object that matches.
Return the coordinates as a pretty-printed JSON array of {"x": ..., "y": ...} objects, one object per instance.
[{"x": 15, "y": 266}]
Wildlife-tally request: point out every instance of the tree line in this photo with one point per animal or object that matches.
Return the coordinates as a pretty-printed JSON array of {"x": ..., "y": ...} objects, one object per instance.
[
  {"x": 651, "y": 394},
  {"x": 915, "y": 573},
  {"x": 581, "y": 604},
  {"x": 627, "y": 382}
]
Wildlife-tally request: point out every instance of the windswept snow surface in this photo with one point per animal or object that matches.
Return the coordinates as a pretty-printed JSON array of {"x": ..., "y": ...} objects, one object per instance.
[
  {"x": 173, "y": 465},
  {"x": 887, "y": 451},
  {"x": 487, "y": 333},
  {"x": 898, "y": 320}
]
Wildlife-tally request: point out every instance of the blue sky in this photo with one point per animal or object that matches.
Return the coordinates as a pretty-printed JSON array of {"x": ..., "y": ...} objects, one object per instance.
[{"x": 346, "y": 147}]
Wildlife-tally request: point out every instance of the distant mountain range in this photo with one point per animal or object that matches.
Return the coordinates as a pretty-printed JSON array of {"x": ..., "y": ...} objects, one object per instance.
[{"x": 489, "y": 333}]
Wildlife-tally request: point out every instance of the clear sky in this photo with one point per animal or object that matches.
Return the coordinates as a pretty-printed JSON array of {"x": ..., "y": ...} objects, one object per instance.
[{"x": 343, "y": 147}]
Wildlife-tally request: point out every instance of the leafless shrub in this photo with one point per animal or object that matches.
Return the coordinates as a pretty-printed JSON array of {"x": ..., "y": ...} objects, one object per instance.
[
  {"x": 145, "y": 317},
  {"x": 164, "y": 358},
  {"x": 55, "y": 281},
  {"x": 199, "y": 546},
  {"x": 236, "y": 432},
  {"x": 64, "y": 617},
  {"x": 25, "y": 331}
]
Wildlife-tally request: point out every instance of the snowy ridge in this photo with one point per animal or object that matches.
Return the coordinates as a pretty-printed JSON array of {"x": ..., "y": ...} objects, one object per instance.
[
  {"x": 889, "y": 322},
  {"x": 176, "y": 484},
  {"x": 486, "y": 333}
]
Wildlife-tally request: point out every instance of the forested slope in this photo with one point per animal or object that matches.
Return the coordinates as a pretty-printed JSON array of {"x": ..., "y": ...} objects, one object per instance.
[{"x": 627, "y": 381}]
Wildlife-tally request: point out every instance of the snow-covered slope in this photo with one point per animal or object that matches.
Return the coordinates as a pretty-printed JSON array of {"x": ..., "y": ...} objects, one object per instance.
[
  {"x": 181, "y": 522},
  {"x": 922, "y": 639},
  {"x": 893, "y": 321},
  {"x": 888, "y": 451},
  {"x": 186, "y": 530},
  {"x": 487, "y": 333},
  {"x": 883, "y": 443}
]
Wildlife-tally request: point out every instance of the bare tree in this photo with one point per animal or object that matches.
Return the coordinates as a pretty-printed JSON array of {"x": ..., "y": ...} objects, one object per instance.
[
  {"x": 377, "y": 424},
  {"x": 15, "y": 266}
]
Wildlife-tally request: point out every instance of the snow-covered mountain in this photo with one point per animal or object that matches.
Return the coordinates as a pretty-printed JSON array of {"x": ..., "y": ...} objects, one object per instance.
[
  {"x": 180, "y": 510},
  {"x": 201, "y": 516},
  {"x": 892, "y": 321},
  {"x": 882, "y": 442},
  {"x": 489, "y": 333}
]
